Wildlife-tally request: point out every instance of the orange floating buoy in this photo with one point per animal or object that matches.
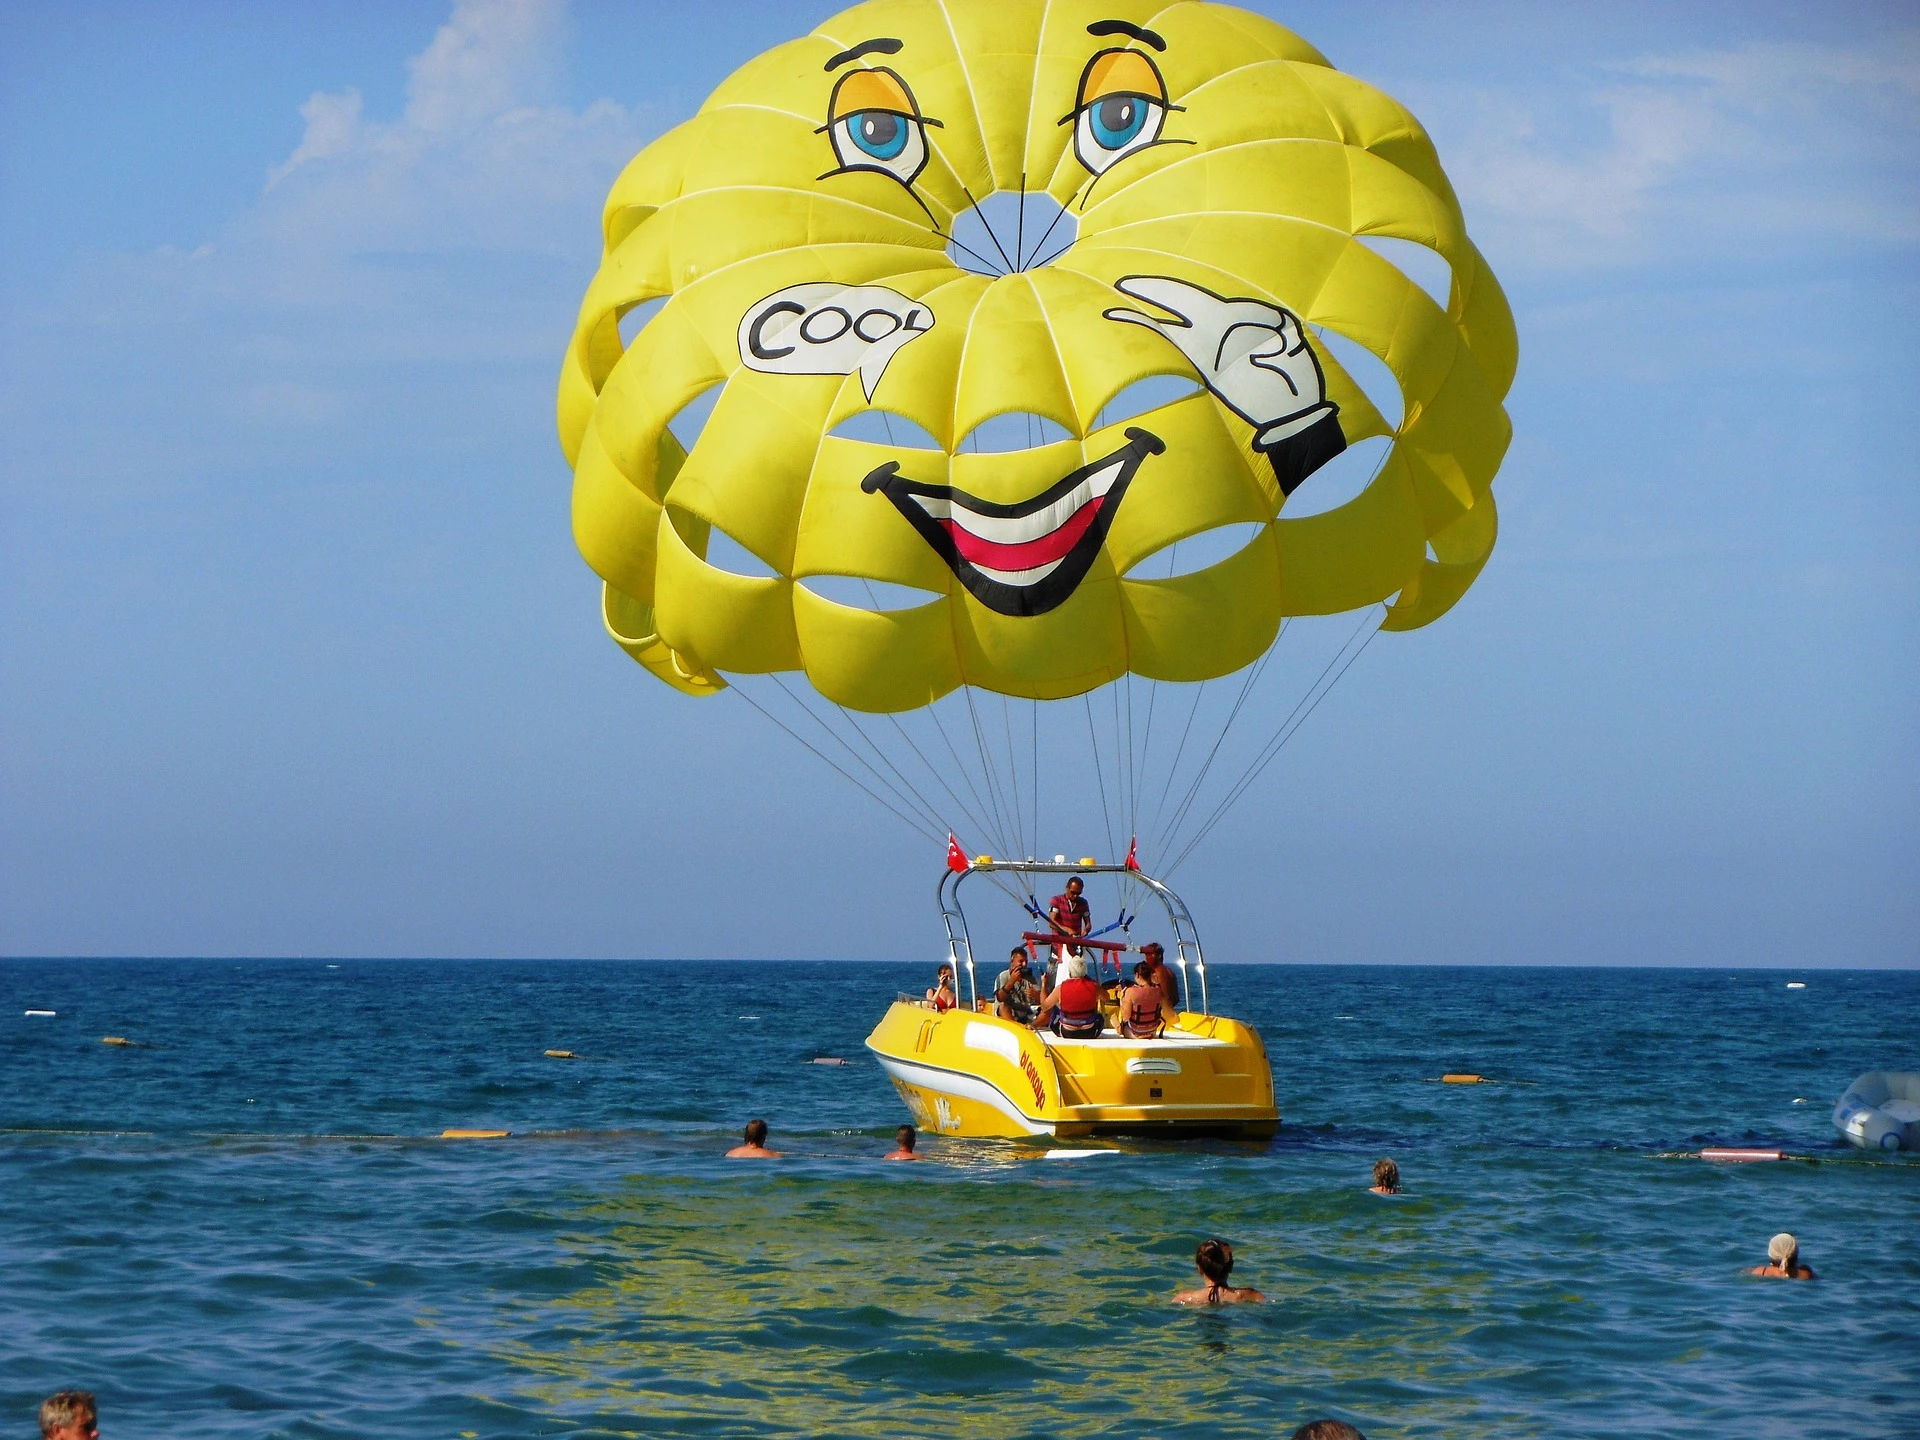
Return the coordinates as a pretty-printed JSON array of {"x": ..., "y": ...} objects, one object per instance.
[
  {"x": 1741, "y": 1155},
  {"x": 1463, "y": 1079},
  {"x": 474, "y": 1134},
  {"x": 561, "y": 1055},
  {"x": 115, "y": 1040}
]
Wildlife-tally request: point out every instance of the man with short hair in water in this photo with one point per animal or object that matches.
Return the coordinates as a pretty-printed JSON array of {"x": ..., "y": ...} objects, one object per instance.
[
  {"x": 903, "y": 1139},
  {"x": 755, "y": 1147},
  {"x": 1214, "y": 1259},
  {"x": 1783, "y": 1260},
  {"x": 1163, "y": 976},
  {"x": 1015, "y": 996},
  {"x": 1142, "y": 1006},
  {"x": 70, "y": 1415},
  {"x": 1386, "y": 1177}
]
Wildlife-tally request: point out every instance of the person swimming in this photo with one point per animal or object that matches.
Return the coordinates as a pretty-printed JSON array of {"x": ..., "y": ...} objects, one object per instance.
[
  {"x": 903, "y": 1141},
  {"x": 1214, "y": 1259},
  {"x": 1386, "y": 1177},
  {"x": 1783, "y": 1260},
  {"x": 755, "y": 1146}
]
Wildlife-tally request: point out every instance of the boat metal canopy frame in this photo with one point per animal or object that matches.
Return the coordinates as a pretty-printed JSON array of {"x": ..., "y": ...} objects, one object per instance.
[{"x": 1185, "y": 950}]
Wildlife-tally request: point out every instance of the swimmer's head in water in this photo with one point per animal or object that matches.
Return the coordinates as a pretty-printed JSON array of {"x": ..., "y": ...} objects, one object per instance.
[
  {"x": 756, "y": 1133},
  {"x": 1215, "y": 1259},
  {"x": 1386, "y": 1174},
  {"x": 1783, "y": 1250},
  {"x": 905, "y": 1136}
]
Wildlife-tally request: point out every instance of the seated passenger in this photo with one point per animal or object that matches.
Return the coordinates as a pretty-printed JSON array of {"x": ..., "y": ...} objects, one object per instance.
[
  {"x": 942, "y": 996},
  {"x": 1142, "y": 1006},
  {"x": 1163, "y": 975},
  {"x": 1015, "y": 996},
  {"x": 1076, "y": 1004}
]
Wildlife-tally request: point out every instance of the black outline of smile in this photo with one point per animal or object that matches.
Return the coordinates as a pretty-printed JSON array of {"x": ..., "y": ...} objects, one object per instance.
[{"x": 1052, "y": 589}]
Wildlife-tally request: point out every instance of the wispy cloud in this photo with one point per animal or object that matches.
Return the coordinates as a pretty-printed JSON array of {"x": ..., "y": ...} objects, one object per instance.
[{"x": 1698, "y": 153}]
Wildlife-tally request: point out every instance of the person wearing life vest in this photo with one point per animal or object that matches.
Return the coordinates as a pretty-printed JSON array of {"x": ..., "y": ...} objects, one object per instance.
[
  {"x": 1163, "y": 975},
  {"x": 1076, "y": 1003},
  {"x": 1143, "y": 1011}
]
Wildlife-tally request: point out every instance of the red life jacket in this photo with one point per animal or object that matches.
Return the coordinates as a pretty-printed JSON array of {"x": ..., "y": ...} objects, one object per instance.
[
  {"x": 1079, "y": 1001},
  {"x": 1141, "y": 1008}
]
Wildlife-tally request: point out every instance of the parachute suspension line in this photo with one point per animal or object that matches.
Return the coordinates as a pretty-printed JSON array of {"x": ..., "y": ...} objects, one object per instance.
[
  {"x": 987, "y": 830},
  {"x": 1099, "y": 774},
  {"x": 1199, "y": 694},
  {"x": 928, "y": 814},
  {"x": 1192, "y": 792},
  {"x": 1013, "y": 780},
  {"x": 881, "y": 755},
  {"x": 1122, "y": 758},
  {"x": 1033, "y": 767},
  {"x": 990, "y": 776},
  {"x": 1146, "y": 746},
  {"x": 973, "y": 818},
  {"x": 1318, "y": 691},
  {"x": 911, "y": 824}
]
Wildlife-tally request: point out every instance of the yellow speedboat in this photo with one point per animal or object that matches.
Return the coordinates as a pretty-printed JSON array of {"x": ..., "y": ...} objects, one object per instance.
[{"x": 967, "y": 1072}]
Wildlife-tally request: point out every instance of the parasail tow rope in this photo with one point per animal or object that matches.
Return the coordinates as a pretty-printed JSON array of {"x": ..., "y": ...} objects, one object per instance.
[
  {"x": 1289, "y": 727},
  {"x": 913, "y": 824}
]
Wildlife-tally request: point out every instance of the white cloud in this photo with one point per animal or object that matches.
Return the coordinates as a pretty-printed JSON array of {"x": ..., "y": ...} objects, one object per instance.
[
  {"x": 1689, "y": 155},
  {"x": 475, "y": 165}
]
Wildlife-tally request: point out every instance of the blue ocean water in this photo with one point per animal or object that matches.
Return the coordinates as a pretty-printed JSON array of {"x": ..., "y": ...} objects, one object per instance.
[{"x": 239, "y": 1226}]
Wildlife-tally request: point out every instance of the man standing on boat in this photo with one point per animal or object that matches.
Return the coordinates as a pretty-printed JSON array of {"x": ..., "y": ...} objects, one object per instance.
[{"x": 1069, "y": 914}]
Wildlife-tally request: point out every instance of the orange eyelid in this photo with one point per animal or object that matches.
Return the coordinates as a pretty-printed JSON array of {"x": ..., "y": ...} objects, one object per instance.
[
  {"x": 1120, "y": 72},
  {"x": 877, "y": 89}
]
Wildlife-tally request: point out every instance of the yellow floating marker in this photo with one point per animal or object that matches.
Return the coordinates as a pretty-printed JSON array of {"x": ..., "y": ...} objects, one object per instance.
[
  {"x": 474, "y": 1134},
  {"x": 1463, "y": 1079},
  {"x": 561, "y": 1055},
  {"x": 115, "y": 1040}
]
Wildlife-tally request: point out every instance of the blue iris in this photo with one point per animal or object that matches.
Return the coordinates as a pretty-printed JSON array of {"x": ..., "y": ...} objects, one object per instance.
[
  {"x": 1118, "y": 120},
  {"x": 881, "y": 133}
]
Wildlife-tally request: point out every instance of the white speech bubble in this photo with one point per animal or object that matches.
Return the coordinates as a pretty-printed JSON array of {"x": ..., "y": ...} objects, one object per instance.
[{"x": 821, "y": 328}]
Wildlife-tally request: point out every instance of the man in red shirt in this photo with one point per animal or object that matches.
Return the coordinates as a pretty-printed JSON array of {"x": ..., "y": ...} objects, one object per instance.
[{"x": 1069, "y": 914}]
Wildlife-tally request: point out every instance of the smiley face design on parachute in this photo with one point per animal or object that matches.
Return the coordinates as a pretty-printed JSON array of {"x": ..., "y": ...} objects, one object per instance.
[{"x": 1028, "y": 557}]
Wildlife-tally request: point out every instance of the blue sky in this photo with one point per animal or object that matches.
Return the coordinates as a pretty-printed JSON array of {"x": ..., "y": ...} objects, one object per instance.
[{"x": 297, "y": 658}]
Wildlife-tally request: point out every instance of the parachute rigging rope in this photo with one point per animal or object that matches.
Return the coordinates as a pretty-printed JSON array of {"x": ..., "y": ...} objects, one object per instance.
[
  {"x": 1106, "y": 816},
  {"x": 928, "y": 811},
  {"x": 1254, "y": 672},
  {"x": 1288, "y": 729},
  {"x": 911, "y": 824}
]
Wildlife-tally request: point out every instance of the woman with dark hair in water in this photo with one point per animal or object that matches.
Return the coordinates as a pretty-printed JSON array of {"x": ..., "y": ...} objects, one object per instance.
[
  {"x": 1215, "y": 1260},
  {"x": 1386, "y": 1177}
]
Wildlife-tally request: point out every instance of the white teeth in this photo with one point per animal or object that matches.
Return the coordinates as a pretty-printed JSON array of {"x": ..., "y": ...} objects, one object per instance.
[
  {"x": 1021, "y": 577},
  {"x": 1022, "y": 529}
]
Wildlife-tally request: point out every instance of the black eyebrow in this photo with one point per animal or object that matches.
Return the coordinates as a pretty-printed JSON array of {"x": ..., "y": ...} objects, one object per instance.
[
  {"x": 870, "y": 47},
  {"x": 1129, "y": 29}
]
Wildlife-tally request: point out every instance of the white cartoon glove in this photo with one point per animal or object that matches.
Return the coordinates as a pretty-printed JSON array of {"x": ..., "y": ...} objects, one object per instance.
[{"x": 1253, "y": 355}]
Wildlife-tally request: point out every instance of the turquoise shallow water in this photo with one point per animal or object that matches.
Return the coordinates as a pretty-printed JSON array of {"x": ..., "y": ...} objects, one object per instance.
[{"x": 211, "y": 1265}]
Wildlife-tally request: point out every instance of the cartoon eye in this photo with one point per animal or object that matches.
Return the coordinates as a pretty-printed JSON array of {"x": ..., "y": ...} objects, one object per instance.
[
  {"x": 875, "y": 125},
  {"x": 1121, "y": 107}
]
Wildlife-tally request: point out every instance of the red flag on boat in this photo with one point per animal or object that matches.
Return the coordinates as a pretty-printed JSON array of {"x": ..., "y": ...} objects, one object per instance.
[
  {"x": 1133, "y": 853},
  {"x": 956, "y": 860}
]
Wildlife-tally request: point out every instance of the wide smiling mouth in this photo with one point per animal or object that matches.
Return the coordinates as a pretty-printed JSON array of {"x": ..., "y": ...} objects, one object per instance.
[{"x": 1023, "y": 558}]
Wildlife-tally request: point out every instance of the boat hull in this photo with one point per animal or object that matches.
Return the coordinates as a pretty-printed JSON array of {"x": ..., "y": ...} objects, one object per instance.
[{"x": 975, "y": 1075}]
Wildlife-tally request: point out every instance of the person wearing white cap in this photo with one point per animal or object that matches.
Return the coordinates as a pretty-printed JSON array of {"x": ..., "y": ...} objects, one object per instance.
[
  {"x": 1783, "y": 1260},
  {"x": 1078, "y": 1002}
]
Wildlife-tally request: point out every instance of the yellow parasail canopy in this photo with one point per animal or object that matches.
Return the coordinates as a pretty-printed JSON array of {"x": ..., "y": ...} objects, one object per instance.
[{"x": 1219, "y": 175}]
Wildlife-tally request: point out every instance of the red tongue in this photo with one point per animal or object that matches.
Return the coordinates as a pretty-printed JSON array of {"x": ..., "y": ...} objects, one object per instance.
[{"x": 1029, "y": 554}]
